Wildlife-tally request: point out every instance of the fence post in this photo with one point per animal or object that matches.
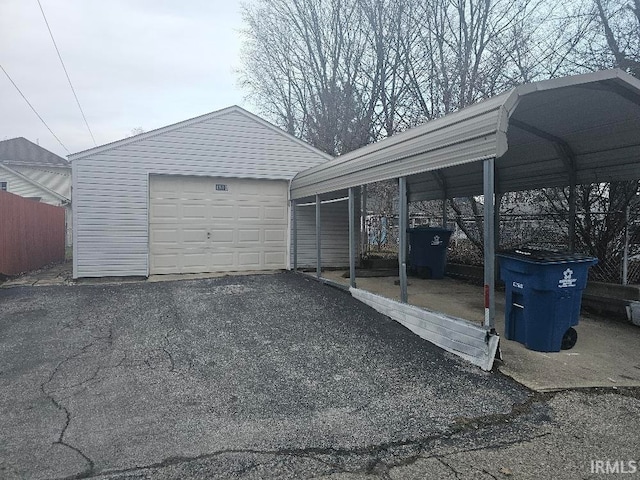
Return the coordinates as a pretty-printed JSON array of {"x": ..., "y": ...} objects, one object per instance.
[
  {"x": 572, "y": 213},
  {"x": 625, "y": 257},
  {"x": 444, "y": 212}
]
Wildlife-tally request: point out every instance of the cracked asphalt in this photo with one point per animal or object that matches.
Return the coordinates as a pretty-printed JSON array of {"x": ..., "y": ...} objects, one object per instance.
[{"x": 270, "y": 376}]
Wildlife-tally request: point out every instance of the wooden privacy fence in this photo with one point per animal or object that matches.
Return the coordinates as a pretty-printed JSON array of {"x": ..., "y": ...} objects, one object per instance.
[{"x": 32, "y": 234}]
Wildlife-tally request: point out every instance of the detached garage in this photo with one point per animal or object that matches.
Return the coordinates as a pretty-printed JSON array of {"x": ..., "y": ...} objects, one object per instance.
[{"x": 208, "y": 194}]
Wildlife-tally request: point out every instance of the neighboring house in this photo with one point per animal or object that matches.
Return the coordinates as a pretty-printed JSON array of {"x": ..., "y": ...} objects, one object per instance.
[
  {"x": 208, "y": 194},
  {"x": 28, "y": 170}
]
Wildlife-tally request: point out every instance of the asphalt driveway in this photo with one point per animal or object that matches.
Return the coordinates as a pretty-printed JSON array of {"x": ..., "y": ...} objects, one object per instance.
[
  {"x": 109, "y": 379},
  {"x": 269, "y": 376}
]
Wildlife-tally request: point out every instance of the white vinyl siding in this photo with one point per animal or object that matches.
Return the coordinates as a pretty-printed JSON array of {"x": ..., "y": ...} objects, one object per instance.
[
  {"x": 111, "y": 189},
  {"x": 209, "y": 224},
  {"x": 334, "y": 234},
  {"x": 57, "y": 179},
  {"x": 19, "y": 186}
]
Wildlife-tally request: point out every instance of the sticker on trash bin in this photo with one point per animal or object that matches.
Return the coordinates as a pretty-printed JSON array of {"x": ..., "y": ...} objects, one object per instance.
[
  {"x": 436, "y": 241},
  {"x": 518, "y": 285},
  {"x": 568, "y": 280}
]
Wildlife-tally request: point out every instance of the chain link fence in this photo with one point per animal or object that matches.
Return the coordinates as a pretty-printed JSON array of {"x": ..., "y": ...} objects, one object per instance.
[
  {"x": 551, "y": 231},
  {"x": 614, "y": 247}
]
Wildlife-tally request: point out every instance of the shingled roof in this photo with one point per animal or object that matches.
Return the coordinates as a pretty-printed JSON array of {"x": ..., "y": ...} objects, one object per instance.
[{"x": 20, "y": 151}]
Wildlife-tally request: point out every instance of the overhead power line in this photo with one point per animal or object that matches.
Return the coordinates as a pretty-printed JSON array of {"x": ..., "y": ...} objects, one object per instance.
[
  {"x": 34, "y": 110},
  {"x": 66, "y": 73}
]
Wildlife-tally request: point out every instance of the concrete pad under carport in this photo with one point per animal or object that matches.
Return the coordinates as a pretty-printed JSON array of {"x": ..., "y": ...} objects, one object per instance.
[{"x": 605, "y": 355}]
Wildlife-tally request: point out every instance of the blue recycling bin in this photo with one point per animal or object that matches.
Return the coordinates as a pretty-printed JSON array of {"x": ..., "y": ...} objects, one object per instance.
[
  {"x": 543, "y": 293},
  {"x": 428, "y": 251}
]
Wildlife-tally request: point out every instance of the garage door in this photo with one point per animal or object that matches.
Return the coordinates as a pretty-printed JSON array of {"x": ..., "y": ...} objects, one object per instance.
[{"x": 204, "y": 224}]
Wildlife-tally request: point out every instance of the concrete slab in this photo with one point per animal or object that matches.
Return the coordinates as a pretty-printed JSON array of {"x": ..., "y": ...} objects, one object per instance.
[
  {"x": 62, "y": 274},
  {"x": 606, "y": 354},
  {"x": 201, "y": 276}
]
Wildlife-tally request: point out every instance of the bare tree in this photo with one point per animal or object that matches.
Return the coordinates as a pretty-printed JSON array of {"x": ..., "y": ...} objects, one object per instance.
[
  {"x": 603, "y": 34},
  {"x": 307, "y": 64},
  {"x": 619, "y": 24},
  {"x": 343, "y": 73}
]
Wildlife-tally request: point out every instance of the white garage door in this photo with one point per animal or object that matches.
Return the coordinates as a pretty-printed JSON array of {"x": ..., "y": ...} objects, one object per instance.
[{"x": 204, "y": 224}]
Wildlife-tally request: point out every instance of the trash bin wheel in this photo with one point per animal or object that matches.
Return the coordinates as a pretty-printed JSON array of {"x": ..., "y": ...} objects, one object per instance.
[{"x": 569, "y": 339}]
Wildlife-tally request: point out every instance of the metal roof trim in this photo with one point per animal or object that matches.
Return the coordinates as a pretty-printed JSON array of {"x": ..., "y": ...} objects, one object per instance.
[{"x": 466, "y": 114}]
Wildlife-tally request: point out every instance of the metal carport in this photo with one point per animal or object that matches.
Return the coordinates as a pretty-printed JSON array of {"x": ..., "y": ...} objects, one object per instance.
[{"x": 562, "y": 132}]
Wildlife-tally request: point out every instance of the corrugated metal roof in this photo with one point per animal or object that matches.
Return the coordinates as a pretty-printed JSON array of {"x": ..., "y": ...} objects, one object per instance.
[
  {"x": 20, "y": 151},
  {"x": 595, "y": 117}
]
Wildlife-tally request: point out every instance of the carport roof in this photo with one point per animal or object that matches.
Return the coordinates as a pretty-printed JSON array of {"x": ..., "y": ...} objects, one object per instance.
[{"x": 540, "y": 134}]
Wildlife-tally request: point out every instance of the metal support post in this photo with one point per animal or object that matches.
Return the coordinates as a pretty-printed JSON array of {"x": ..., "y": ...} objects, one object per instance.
[
  {"x": 365, "y": 235},
  {"x": 318, "y": 246},
  {"x": 352, "y": 237},
  {"x": 489, "y": 243},
  {"x": 496, "y": 219},
  {"x": 402, "y": 237},
  {"x": 294, "y": 240}
]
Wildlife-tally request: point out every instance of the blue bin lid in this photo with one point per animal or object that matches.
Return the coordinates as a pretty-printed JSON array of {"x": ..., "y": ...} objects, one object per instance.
[{"x": 534, "y": 255}]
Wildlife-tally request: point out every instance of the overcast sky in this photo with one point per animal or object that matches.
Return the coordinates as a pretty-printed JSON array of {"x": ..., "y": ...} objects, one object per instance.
[{"x": 133, "y": 63}]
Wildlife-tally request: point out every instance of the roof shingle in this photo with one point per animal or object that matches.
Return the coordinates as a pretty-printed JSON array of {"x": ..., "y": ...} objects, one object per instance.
[{"x": 20, "y": 151}]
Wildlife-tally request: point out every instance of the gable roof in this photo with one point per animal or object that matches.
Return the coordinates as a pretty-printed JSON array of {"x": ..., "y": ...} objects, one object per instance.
[
  {"x": 20, "y": 151},
  {"x": 192, "y": 121}
]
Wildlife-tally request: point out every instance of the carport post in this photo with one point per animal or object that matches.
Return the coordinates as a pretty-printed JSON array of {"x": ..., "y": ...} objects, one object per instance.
[
  {"x": 489, "y": 244},
  {"x": 496, "y": 219},
  {"x": 363, "y": 206},
  {"x": 352, "y": 237},
  {"x": 496, "y": 224},
  {"x": 294, "y": 240},
  {"x": 318, "y": 246},
  {"x": 402, "y": 237}
]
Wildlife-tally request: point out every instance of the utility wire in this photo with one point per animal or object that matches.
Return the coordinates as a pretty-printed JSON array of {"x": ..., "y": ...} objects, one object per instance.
[
  {"x": 66, "y": 73},
  {"x": 34, "y": 110}
]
